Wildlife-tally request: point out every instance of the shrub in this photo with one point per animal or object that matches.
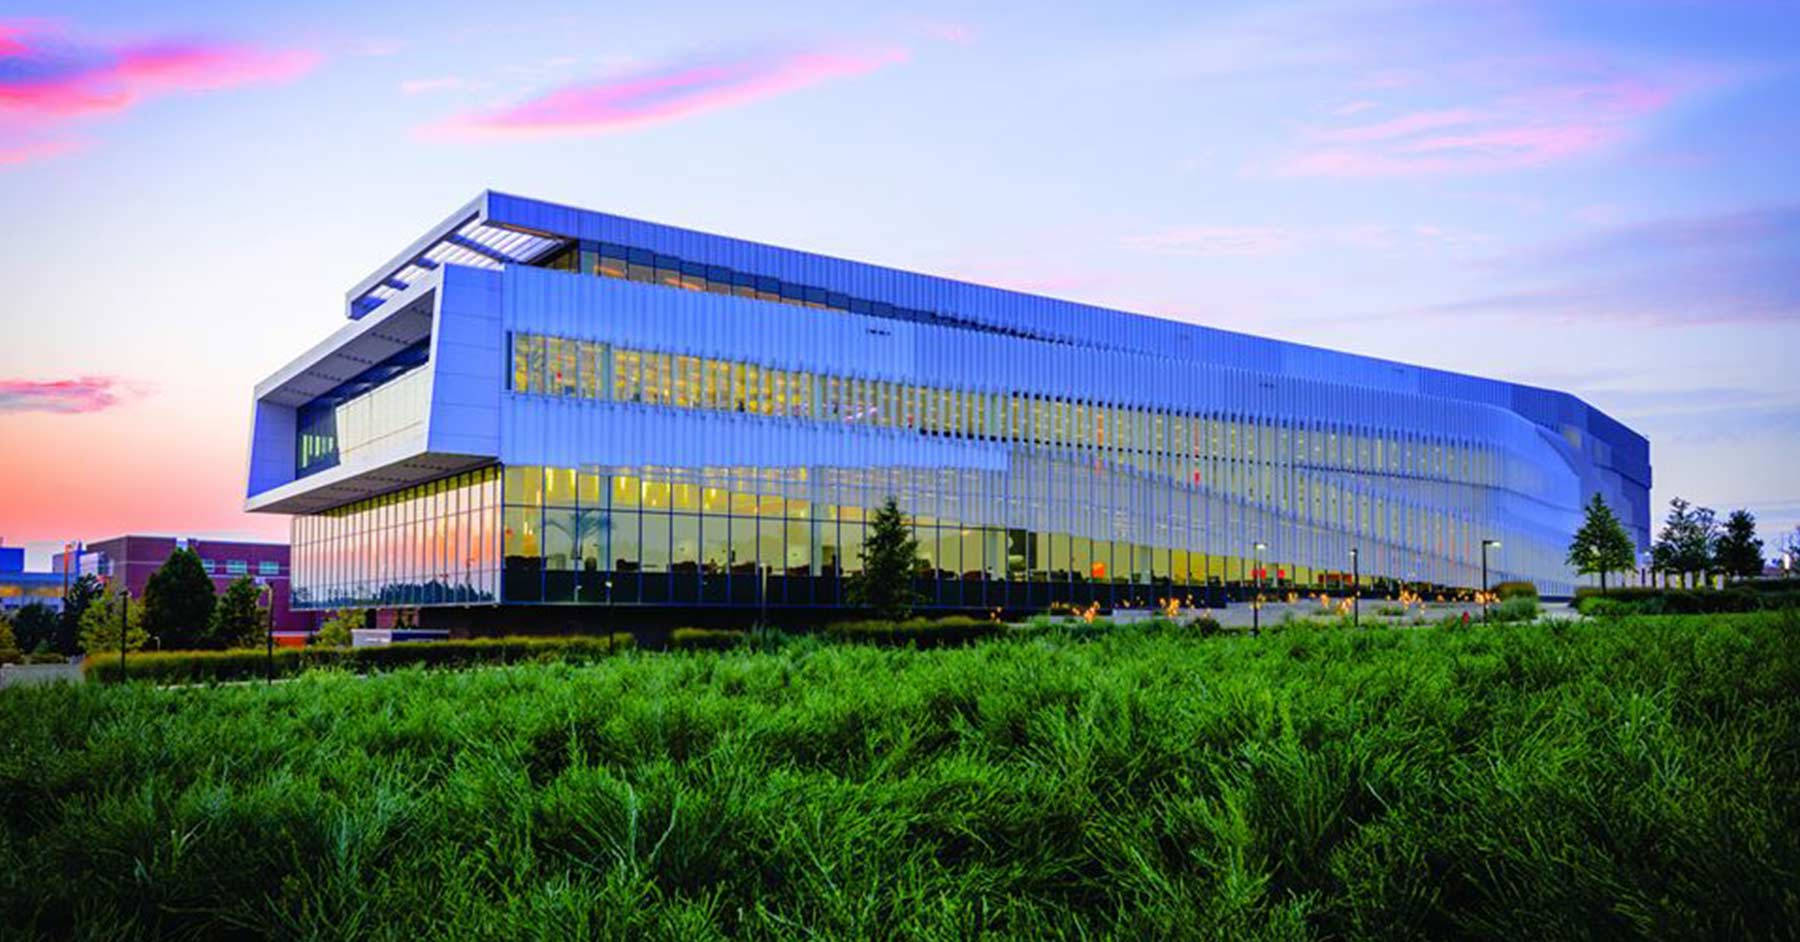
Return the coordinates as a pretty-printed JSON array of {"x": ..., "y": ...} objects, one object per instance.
[
  {"x": 200, "y": 667},
  {"x": 1516, "y": 608},
  {"x": 1206, "y": 625},
  {"x": 1516, "y": 589},
  {"x": 922, "y": 632},
  {"x": 337, "y": 630},
  {"x": 45, "y": 657},
  {"x": 1606, "y": 608},
  {"x": 1654, "y": 601},
  {"x": 1390, "y": 611},
  {"x": 705, "y": 639}
]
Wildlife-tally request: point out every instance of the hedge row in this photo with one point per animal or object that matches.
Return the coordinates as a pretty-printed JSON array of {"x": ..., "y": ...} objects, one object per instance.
[
  {"x": 1638, "y": 600},
  {"x": 705, "y": 639},
  {"x": 198, "y": 667},
  {"x": 923, "y": 632}
]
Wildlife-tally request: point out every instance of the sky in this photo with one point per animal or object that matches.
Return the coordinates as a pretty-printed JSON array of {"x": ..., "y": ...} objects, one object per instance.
[{"x": 1601, "y": 197}]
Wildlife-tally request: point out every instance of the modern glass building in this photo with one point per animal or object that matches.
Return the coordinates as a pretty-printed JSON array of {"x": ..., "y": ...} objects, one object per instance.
[{"x": 537, "y": 405}]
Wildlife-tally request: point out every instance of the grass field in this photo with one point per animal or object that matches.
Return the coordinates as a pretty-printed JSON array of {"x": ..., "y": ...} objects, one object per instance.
[{"x": 1638, "y": 777}]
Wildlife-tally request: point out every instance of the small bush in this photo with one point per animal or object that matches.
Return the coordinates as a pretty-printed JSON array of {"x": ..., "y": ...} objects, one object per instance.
[
  {"x": 705, "y": 639},
  {"x": 1516, "y": 608},
  {"x": 1606, "y": 608},
  {"x": 1516, "y": 590},
  {"x": 1390, "y": 611}
]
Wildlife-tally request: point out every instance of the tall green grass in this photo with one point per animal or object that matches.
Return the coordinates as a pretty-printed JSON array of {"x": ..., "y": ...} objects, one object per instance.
[{"x": 1629, "y": 778}]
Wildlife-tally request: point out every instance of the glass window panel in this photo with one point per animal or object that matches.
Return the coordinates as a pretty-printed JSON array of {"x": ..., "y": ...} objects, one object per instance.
[
  {"x": 521, "y": 532},
  {"x": 850, "y": 533},
  {"x": 655, "y": 542},
  {"x": 684, "y": 543},
  {"x": 799, "y": 548},
  {"x": 591, "y": 531},
  {"x": 559, "y": 487},
  {"x": 743, "y": 544},
  {"x": 624, "y": 542},
  {"x": 524, "y": 485},
  {"x": 715, "y": 544},
  {"x": 626, "y": 490},
  {"x": 588, "y": 491},
  {"x": 559, "y": 539},
  {"x": 768, "y": 543}
]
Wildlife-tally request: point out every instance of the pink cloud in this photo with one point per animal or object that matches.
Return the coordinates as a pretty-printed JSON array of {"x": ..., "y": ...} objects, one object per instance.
[
  {"x": 29, "y": 151},
  {"x": 1530, "y": 128},
  {"x": 82, "y": 394},
  {"x": 48, "y": 77},
  {"x": 649, "y": 97},
  {"x": 1402, "y": 126},
  {"x": 1349, "y": 108}
]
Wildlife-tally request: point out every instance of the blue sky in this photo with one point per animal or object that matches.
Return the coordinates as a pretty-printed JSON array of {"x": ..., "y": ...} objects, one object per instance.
[{"x": 1597, "y": 197}]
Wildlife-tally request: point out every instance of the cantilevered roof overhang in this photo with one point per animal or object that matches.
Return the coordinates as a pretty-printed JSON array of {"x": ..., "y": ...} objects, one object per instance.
[
  {"x": 353, "y": 348},
  {"x": 468, "y": 237}
]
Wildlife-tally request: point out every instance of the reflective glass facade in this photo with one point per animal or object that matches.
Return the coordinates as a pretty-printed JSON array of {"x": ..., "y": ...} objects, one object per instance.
[
  {"x": 432, "y": 544},
  {"x": 670, "y": 417}
]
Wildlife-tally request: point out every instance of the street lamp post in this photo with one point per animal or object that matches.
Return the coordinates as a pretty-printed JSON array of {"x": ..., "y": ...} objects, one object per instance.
[
  {"x": 124, "y": 628},
  {"x": 268, "y": 629},
  {"x": 1256, "y": 599},
  {"x": 762, "y": 600},
  {"x": 1355, "y": 589},
  {"x": 1484, "y": 575}
]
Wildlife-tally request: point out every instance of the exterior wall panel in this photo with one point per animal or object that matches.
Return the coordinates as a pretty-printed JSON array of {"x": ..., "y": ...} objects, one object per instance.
[{"x": 1064, "y": 425}]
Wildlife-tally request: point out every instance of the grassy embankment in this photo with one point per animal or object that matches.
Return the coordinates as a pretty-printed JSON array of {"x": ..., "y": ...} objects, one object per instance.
[{"x": 1640, "y": 776}]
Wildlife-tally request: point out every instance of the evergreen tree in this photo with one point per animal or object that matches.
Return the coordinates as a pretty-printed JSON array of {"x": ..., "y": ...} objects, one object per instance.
[
  {"x": 238, "y": 620},
  {"x": 34, "y": 627},
  {"x": 1739, "y": 554},
  {"x": 890, "y": 559},
  {"x": 1601, "y": 545},
  {"x": 84, "y": 591},
  {"x": 9, "y": 643},
  {"x": 100, "y": 625},
  {"x": 1685, "y": 544},
  {"x": 178, "y": 601}
]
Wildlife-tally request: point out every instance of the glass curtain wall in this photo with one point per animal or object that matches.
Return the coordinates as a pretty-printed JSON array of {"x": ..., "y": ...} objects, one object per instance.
[
  {"x": 431, "y": 544},
  {"x": 1407, "y": 499},
  {"x": 737, "y": 536}
]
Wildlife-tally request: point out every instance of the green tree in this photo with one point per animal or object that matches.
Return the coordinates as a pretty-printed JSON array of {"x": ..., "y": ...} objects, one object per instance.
[
  {"x": 34, "y": 627},
  {"x": 890, "y": 559},
  {"x": 1601, "y": 545},
  {"x": 335, "y": 632},
  {"x": 1738, "y": 553},
  {"x": 1698, "y": 549},
  {"x": 239, "y": 620},
  {"x": 9, "y": 643},
  {"x": 178, "y": 601},
  {"x": 81, "y": 593},
  {"x": 100, "y": 625},
  {"x": 1685, "y": 543}
]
